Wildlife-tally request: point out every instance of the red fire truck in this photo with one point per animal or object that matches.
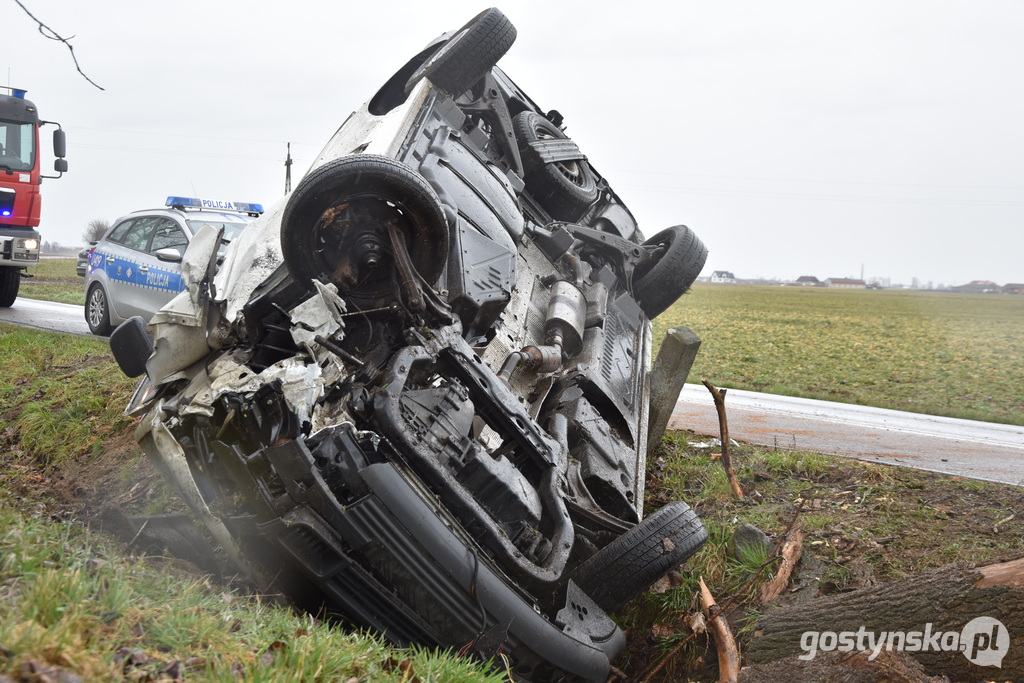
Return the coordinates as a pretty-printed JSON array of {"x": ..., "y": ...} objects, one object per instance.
[{"x": 20, "y": 178}]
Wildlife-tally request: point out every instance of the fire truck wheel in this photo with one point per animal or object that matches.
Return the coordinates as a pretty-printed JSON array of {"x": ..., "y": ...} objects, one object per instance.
[{"x": 10, "y": 280}]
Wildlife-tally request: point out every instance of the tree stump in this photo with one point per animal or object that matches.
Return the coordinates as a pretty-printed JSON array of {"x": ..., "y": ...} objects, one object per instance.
[{"x": 911, "y": 613}]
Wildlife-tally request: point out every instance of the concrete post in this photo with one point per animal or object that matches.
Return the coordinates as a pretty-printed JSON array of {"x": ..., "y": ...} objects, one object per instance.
[{"x": 672, "y": 367}]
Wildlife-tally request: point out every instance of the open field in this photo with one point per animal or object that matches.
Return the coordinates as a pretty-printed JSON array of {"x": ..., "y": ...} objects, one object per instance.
[
  {"x": 54, "y": 279},
  {"x": 959, "y": 355}
]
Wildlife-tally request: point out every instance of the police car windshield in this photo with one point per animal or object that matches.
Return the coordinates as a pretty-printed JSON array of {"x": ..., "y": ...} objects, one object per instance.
[{"x": 231, "y": 230}]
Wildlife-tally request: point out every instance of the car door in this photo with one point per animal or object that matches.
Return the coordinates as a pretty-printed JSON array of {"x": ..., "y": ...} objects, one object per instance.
[
  {"x": 126, "y": 251},
  {"x": 160, "y": 279}
]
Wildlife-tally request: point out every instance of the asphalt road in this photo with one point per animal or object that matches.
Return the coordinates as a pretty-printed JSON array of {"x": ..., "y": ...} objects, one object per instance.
[
  {"x": 980, "y": 450},
  {"x": 46, "y": 315}
]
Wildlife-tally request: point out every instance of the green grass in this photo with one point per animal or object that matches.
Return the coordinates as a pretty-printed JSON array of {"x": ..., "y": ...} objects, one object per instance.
[
  {"x": 54, "y": 279},
  {"x": 71, "y": 602},
  {"x": 930, "y": 352},
  {"x": 61, "y": 396}
]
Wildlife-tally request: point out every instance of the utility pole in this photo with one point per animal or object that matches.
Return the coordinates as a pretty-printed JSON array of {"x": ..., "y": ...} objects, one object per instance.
[{"x": 288, "y": 171}]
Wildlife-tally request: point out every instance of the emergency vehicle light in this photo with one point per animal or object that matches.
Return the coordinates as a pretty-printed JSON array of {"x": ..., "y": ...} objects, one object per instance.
[
  {"x": 213, "y": 204},
  {"x": 6, "y": 201},
  {"x": 250, "y": 208},
  {"x": 183, "y": 202}
]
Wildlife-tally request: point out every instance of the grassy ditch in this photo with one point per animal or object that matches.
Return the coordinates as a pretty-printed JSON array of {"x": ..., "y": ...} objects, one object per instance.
[
  {"x": 61, "y": 396},
  {"x": 54, "y": 279},
  {"x": 937, "y": 353},
  {"x": 73, "y": 603},
  {"x": 81, "y": 602}
]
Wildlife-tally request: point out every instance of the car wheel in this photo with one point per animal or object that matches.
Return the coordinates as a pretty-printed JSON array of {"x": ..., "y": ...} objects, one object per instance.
[
  {"x": 678, "y": 257},
  {"x": 563, "y": 187},
  {"x": 622, "y": 569},
  {"x": 335, "y": 227},
  {"x": 469, "y": 54},
  {"x": 97, "y": 312},
  {"x": 10, "y": 280}
]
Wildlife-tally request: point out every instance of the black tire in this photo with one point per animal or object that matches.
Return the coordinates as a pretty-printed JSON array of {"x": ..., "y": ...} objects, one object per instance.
[
  {"x": 679, "y": 258},
  {"x": 10, "y": 281},
  {"x": 469, "y": 54},
  {"x": 334, "y": 227},
  {"x": 565, "y": 189},
  {"x": 631, "y": 563},
  {"x": 97, "y": 311}
]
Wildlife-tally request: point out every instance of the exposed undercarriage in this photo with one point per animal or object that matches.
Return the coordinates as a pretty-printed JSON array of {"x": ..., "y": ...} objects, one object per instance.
[{"x": 414, "y": 395}]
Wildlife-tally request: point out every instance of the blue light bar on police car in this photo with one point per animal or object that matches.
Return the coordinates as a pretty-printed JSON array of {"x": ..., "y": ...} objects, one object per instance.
[{"x": 213, "y": 204}]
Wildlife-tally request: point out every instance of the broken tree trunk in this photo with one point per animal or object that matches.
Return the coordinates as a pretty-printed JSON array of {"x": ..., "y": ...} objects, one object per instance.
[
  {"x": 728, "y": 655},
  {"x": 925, "y": 615},
  {"x": 723, "y": 426}
]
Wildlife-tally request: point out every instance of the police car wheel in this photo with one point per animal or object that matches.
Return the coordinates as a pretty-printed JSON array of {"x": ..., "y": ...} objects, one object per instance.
[
  {"x": 97, "y": 312},
  {"x": 335, "y": 227}
]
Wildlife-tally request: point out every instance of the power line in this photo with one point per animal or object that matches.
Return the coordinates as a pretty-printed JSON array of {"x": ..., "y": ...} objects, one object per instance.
[
  {"x": 171, "y": 152},
  {"x": 767, "y": 194},
  {"x": 819, "y": 181},
  {"x": 192, "y": 137}
]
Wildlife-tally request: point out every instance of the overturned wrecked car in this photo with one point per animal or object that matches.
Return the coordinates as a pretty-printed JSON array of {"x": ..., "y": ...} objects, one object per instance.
[{"x": 414, "y": 394}]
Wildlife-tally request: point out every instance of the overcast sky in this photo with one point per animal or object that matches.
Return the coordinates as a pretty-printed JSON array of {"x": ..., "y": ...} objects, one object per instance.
[{"x": 820, "y": 138}]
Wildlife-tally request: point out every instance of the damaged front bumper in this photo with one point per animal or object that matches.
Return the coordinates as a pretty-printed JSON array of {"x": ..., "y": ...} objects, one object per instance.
[{"x": 350, "y": 534}]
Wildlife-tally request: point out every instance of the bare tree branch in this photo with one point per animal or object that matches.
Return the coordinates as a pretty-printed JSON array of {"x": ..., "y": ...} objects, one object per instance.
[
  {"x": 719, "y": 397},
  {"x": 48, "y": 32}
]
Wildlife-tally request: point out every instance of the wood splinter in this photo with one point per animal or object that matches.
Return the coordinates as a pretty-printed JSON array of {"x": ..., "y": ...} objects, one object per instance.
[
  {"x": 790, "y": 553},
  {"x": 728, "y": 655}
]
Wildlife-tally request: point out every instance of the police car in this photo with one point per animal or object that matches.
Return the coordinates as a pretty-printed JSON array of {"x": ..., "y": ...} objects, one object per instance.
[{"x": 136, "y": 267}]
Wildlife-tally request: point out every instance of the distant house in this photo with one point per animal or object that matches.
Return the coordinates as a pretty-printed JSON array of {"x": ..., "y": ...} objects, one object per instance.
[
  {"x": 808, "y": 281},
  {"x": 1013, "y": 288},
  {"x": 977, "y": 287},
  {"x": 723, "y": 276},
  {"x": 845, "y": 282}
]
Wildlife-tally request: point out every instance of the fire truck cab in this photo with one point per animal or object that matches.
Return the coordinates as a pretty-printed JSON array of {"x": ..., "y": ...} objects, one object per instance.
[{"x": 20, "y": 179}]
